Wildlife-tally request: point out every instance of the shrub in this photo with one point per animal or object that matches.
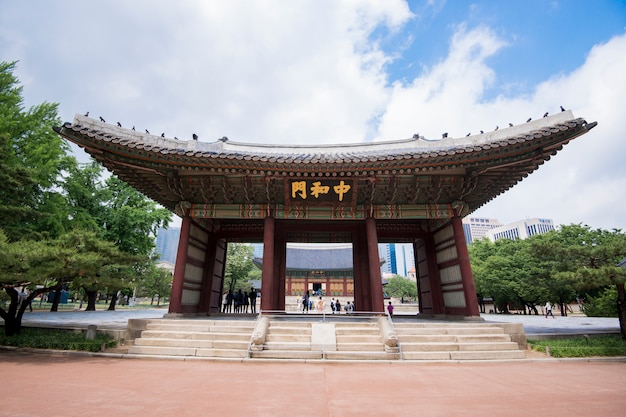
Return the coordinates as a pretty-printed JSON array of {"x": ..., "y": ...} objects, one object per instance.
[
  {"x": 56, "y": 339},
  {"x": 604, "y": 305}
]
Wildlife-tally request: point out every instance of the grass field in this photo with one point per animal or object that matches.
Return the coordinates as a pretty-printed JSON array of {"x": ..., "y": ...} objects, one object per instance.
[{"x": 581, "y": 347}]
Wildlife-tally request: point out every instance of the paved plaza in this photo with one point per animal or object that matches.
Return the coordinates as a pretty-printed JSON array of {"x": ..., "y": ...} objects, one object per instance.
[
  {"x": 573, "y": 324},
  {"x": 81, "y": 384},
  {"x": 67, "y": 386}
]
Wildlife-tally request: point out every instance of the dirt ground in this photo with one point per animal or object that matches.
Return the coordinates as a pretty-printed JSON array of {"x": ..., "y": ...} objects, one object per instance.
[{"x": 48, "y": 385}]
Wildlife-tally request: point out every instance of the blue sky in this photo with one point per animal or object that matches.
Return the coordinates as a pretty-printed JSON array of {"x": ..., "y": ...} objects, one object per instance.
[
  {"x": 338, "y": 71},
  {"x": 543, "y": 37}
]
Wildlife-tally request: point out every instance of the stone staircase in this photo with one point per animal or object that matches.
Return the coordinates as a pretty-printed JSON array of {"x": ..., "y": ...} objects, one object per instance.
[
  {"x": 456, "y": 341},
  {"x": 288, "y": 340},
  {"x": 360, "y": 340},
  {"x": 336, "y": 338},
  {"x": 194, "y": 337}
]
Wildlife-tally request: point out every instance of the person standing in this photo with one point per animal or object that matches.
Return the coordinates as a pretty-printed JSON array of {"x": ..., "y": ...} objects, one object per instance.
[
  {"x": 333, "y": 305},
  {"x": 224, "y": 302},
  {"x": 320, "y": 305},
  {"x": 338, "y": 306},
  {"x": 246, "y": 302},
  {"x": 548, "y": 308},
  {"x": 305, "y": 302},
  {"x": 229, "y": 301},
  {"x": 252, "y": 300}
]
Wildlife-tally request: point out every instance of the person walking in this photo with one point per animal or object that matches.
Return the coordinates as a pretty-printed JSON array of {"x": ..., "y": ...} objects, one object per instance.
[
  {"x": 390, "y": 309},
  {"x": 548, "y": 308}
]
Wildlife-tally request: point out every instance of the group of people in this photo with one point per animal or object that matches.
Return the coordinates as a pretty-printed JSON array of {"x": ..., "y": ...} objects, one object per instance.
[
  {"x": 239, "y": 302},
  {"x": 308, "y": 304}
]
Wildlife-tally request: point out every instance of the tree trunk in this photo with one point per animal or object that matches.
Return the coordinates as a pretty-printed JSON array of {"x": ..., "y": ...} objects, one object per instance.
[
  {"x": 113, "y": 302},
  {"x": 621, "y": 308},
  {"x": 91, "y": 299},
  {"x": 57, "y": 298}
]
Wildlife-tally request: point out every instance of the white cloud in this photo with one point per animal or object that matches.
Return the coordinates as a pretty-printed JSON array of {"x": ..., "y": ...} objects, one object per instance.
[{"x": 313, "y": 71}]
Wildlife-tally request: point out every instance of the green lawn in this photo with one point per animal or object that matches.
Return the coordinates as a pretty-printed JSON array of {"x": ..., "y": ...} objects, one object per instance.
[
  {"x": 56, "y": 339},
  {"x": 581, "y": 347}
]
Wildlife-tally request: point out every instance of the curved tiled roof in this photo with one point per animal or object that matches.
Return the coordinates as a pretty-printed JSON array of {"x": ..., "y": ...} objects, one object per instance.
[{"x": 467, "y": 171}]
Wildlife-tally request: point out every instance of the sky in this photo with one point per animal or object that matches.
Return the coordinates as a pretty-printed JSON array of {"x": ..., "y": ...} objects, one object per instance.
[{"x": 345, "y": 71}]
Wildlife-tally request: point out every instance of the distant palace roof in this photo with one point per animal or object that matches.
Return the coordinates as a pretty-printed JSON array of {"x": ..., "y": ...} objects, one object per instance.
[{"x": 403, "y": 179}]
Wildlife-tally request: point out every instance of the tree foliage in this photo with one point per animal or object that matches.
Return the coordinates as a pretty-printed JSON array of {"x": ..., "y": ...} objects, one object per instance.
[
  {"x": 574, "y": 261},
  {"x": 400, "y": 287},
  {"x": 32, "y": 158},
  {"x": 156, "y": 282},
  {"x": 239, "y": 263}
]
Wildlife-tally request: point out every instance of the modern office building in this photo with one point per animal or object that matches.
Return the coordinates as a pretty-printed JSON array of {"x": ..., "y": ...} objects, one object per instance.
[
  {"x": 476, "y": 228},
  {"x": 521, "y": 229},
  {"x": 167, "y": 244},
  {"x": 399, "y": 258}
]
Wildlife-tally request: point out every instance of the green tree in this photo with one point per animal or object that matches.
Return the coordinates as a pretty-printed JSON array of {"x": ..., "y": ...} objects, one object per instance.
[
  {"x": 507, "y": 271},
  {"x": 31, "y": 162},
  {"x": 92, "y": 264},
  {"x": 588, "y": 259},
  {"x": 131, "y": 220},
  {"x": 400, "y": 287},
  {"x": 24, "y": 266},
  {"x": 155, "y": 283},
  {"x": 238, "y": 265}
]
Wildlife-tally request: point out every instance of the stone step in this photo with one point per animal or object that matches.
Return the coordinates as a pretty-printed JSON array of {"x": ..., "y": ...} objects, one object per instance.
[
  {"x": 357, "y": 331},
  {"x": 193, "y": 343},
  {"x": 360, "y": 347},
  {"x": 488, "y": 355},
  {"x": 362, "y": 355},
  {"x": 447, "y": 330},
  {"x": 165, "y": 334},
  {"x": 200, "y": 328},
  {"x": 359, "y": 338},
  {"x": 289, "y": 330},
  {"x": 283, "y": 345},
  {"x": 187, "y": 351},
  {"x": 286, "y": 354},
  {"x": 288, "y": 338},
  {"x": 463, "y": 355},
  {"x": 442, "y": 338}
]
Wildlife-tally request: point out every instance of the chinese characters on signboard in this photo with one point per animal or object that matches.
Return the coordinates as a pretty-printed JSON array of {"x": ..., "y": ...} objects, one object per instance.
[{"x": 329, "y": 191}]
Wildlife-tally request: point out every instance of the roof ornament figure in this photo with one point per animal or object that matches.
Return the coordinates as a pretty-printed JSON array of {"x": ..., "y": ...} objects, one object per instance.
[
  {"x": 194, "y": 136},
  {"x": 102, "y": 120}
]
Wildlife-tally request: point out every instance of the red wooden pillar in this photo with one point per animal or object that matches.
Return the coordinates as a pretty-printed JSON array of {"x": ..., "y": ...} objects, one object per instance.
[
  {"x": 469, "y": 288},
  {"x": 267, "y": 272},
  {"x": 376, "y": 283},
  {"x": 360, "y": 268},
  {"x": 280, "y": 268},
  {"x": 176, "y": 295}
]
